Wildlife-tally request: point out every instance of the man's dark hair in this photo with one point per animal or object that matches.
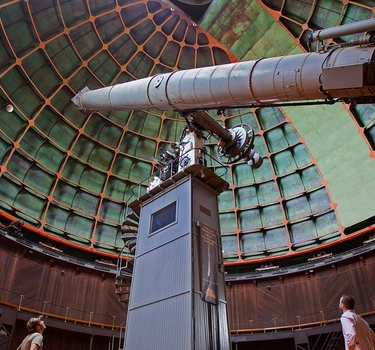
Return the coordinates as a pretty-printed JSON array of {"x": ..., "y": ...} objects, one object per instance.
[{"x": 348, "y": 301}]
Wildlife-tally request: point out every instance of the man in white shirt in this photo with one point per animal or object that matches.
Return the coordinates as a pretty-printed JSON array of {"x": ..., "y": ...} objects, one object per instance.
[
  {"x": 357, "y": 333},
  {"x": 34, "y": 340}
]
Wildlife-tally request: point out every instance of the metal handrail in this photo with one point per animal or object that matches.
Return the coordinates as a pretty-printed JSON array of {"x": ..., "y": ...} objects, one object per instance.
[
  {"x": 57, "y": 317},
  {"x": 111, "y": 343},
  {"x": 292, "y": 327}
]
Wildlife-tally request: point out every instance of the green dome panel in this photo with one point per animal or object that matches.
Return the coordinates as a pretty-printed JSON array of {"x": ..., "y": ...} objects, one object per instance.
[{"x": 69, "y": 174}]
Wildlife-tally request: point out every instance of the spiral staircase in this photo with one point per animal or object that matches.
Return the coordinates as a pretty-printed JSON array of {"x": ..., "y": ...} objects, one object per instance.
[{"x": 124, "y": 272}]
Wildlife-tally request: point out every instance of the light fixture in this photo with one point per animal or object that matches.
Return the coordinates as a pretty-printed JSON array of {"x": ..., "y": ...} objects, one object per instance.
[{"x": 9, "y": 108}]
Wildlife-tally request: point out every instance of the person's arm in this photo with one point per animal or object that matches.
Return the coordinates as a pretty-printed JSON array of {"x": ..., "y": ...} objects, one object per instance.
[
  {"x": 373, "y": 337},
  {"x": 37, "y": 342},
  {"x": 348, "y": 331}
]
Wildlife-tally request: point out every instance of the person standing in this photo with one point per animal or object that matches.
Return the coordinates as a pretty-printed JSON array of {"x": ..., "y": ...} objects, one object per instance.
[
  {"x": 34, "y": 340},
  {"x": 356, "y": 331}
]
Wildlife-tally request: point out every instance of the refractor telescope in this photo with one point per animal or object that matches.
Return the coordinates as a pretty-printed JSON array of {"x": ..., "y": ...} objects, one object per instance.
[{"x": 332, "y": 73}]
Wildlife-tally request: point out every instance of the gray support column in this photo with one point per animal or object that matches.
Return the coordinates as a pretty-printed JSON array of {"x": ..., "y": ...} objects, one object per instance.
[{"x": 177, "y": 298}]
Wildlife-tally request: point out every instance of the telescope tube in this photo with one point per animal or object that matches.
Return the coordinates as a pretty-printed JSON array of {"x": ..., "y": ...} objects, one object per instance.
[{"x": 345, "y": 72}]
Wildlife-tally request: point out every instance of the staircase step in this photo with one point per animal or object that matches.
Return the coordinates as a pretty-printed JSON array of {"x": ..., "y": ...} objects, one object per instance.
[
  {"x": 130, "y": 224},
  {"x": 132, "y": 216},
  {"x": 130, "y": 244},
  {"x": 124, "y": 300},
  {"x": 129, "y": 240},
  {"x": 127, "y": 229},
  {"x": 129, "y": 234},
  {"x": 123, "y": 289},
  {"x": 128, "y": 265},
  {"x": 124, "y": 275}
]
